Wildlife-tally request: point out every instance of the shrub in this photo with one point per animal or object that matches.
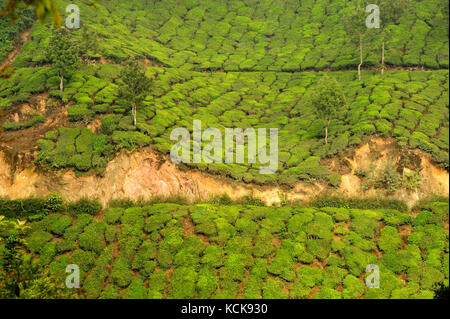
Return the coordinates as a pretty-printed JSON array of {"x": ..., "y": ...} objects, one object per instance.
[
  {"x": 334, "y": 180},
  {"x": 357, "y": 260},
  {"x": 84, "y": 206},
  {"x": 309, "y": 277},
  {"x": 327, "y": 293},
  {"x": 319, "y": 248},
  {"x": 47, "y": 253},
  {"x": 273, "y": 289},
  {"x": 182, "y": 283},
  {"x": 130, "y": 140},
  {"x": 365, "y": 226},
  {"x": 353, "y": 288},
  {"x": 84, "y": 259},
  {"x": 56, "y": 223},
  {"x": 213, "y": 256},
  {"x": 112, "y": 215},
  {"x": 157, "y": 281},
  {"x": 333, "y": 276},
  {"x": 12, "y": 126},
  {"x": 54, "y": 203},
  {"x": 390, "y": 240},
  {"x": 136, "y": 290},
  {"x": 80, "y": 113},
  {"x": 207, "y": 282},
  {"x": 38, "y": 239},
  {"x": 23, "y": 208},
  {"x": 282, "y": 265},
  {"x": 92, "y": 238},
  {"x": 121, "y": 274},
  {"x": 297, "y": 290}
]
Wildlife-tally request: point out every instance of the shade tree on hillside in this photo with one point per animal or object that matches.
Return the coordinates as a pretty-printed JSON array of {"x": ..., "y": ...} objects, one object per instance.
[
  {"x": 135, "y": 85},
  {"x": 63, "y": 53},
  {"x": 390, "y": 13},
  {"x": 355, "y": 27},
  {"x": 327, "y": 100}
]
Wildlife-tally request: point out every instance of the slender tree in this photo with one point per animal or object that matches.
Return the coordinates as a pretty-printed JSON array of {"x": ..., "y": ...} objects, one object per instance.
[
  {"x": 135, "y": 85},
  {"x": 355, "y": 27},
  {"x": 63, "y": 52},
  {"x": 328, "y": 100},
  {"x": 390, "y": 13}
]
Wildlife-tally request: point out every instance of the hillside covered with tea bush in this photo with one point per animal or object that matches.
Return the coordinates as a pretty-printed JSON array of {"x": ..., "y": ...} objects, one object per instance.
[
  {"x": 260, "y": 49},
  {"x": 231, "y": 64},
  {"x": 412, "y": 107},
  {"x": 253, "y": 35},
  {"x": 186, "y": 38},
  {"x": 237, "y": 251}
]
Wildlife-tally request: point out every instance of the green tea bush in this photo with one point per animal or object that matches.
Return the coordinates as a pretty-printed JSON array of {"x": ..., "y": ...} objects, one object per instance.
[
  {"x": 121, "y": 274},
  {"x": 57, "y": 224},
  {"x": 334, "y": 180},
  {"x": 390, "y": 240},
  {"x": 84, "y": 206},
  {"x": 273, "y": 289},
  {"x": 353, "y": 288},
  {"x": 92, "y": 239},
  {"x": 229, "y": 266}
]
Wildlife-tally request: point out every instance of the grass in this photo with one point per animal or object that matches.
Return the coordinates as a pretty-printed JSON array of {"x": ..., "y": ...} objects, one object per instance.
[{"x": 253, "y": 251}]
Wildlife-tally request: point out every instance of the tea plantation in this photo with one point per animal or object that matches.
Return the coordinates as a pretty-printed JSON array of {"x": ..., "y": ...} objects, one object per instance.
[
  {"x": 254, "y": 35},
  {"x": 239, "y": 64},
  {"x": 411, "y": 106},
  {"x": 240, "y": 251}
]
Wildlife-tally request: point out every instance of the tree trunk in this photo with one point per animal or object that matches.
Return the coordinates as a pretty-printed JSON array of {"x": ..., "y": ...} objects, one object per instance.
[
  {"x": 382, "y": 55},
  {"x": 134, "y": 115},
  {"x": 61, "y": 83},
  {"x": 360, "y": 58},
  {"x": 326, "y": 134}
]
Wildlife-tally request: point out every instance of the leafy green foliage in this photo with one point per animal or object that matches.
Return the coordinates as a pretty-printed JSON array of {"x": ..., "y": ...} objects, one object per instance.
[
  {"x": 63, "y": 52},
  {"x": 137, "y": 247}
]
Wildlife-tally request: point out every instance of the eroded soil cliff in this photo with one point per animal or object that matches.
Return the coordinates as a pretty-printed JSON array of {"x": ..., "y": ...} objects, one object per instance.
[{"x": 144, "y": 175}]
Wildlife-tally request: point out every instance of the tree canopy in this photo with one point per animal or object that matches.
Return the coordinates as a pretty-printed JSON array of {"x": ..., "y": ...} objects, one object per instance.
[{"x": 328, "y": 100}]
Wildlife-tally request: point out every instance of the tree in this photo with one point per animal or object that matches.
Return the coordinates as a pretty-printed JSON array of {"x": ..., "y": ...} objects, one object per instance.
[
  {"x": 328, "y": 100},
  {"x": 89, "y": 43},
  {"x": 135, "y": 85},
  {"x": 390, "y": 12},
  {"x": 63, "y": 52},
  {"x": 20, "y": 276},
  {"x": 354, "y": 24}
]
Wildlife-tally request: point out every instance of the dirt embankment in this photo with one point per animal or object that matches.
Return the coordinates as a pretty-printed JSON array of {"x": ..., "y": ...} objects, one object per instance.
[{"x": 143, "y": 175}]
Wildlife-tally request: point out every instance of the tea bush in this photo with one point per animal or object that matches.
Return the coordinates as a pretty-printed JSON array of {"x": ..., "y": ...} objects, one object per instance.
[{"x": 292, "y": 264}]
